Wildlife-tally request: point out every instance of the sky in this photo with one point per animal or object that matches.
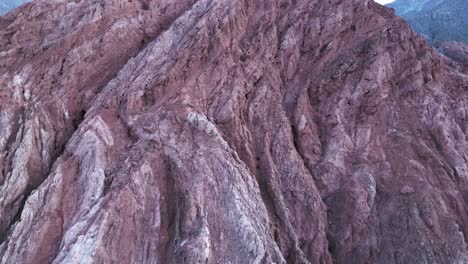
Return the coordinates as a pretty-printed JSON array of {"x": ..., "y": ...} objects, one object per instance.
[{"x": 384, "y": 2}]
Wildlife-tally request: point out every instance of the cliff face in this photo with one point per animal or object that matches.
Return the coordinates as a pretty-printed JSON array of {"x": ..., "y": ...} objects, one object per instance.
[{"x": 217, "y": 131}]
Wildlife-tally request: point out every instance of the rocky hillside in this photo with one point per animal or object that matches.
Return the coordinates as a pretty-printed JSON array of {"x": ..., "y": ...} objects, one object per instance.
[{"x": 219, "y": 131}]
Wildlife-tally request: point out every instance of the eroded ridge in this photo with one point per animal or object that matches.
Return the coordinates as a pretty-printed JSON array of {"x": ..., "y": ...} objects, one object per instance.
[{"x": 217, "y": 131}]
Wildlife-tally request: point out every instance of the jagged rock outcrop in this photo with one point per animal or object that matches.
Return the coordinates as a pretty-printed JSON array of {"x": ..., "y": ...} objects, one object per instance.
[{"x": 217, "y": 131}]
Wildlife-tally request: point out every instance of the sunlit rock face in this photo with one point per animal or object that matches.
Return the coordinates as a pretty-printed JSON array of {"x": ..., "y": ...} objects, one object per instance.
[
  {"x": 7, "y": 5},
  {"x": 220, "y": 131}
]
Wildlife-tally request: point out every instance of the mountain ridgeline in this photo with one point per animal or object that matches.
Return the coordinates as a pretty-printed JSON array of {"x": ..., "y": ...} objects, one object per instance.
[
  {"x": 442, "y": 22},
  {"x": 437, "y": 20}
]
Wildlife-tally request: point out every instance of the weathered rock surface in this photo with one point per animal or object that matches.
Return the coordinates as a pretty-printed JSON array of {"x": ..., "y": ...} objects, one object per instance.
[
  {"x": 456, "y": 52},
  {"x": 218, "y": 131}
]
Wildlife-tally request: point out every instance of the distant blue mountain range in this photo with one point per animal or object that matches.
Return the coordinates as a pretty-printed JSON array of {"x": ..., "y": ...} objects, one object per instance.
[
  {"x": 437, "y": 20},
  {"x": 7, "y": 5}
]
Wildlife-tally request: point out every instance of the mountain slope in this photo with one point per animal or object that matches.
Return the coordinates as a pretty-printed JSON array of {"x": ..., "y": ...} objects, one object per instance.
[
  {"x": 217, "y": 131},
  {"x": 437, "y": 20},
  {"x": 415, "y": 6}
]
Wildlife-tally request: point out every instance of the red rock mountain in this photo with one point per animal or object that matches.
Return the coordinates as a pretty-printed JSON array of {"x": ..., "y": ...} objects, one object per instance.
[{"x": 221, "y": 131}]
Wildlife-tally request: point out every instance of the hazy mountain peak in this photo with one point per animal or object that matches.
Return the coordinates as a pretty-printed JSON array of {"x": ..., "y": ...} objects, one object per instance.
[
  {"x": 7, "y": 5},
  {"x": 437, "y": 20}
]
